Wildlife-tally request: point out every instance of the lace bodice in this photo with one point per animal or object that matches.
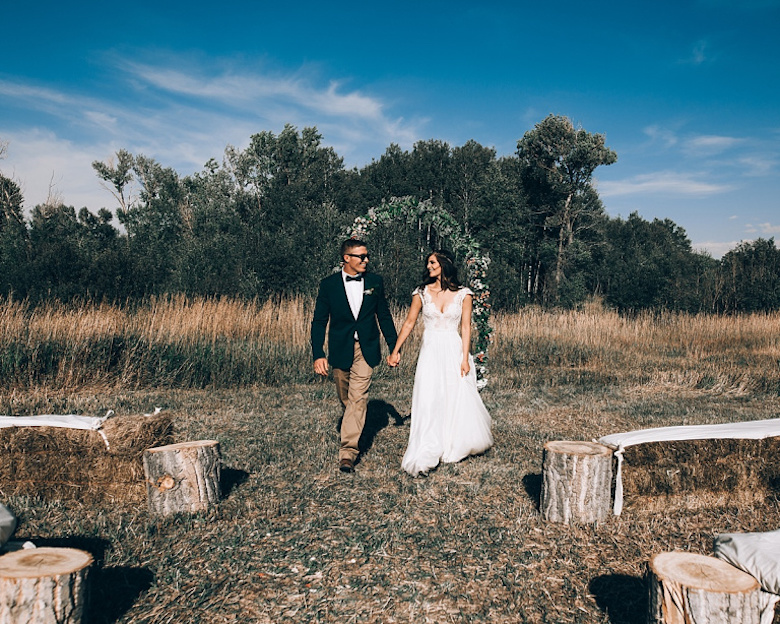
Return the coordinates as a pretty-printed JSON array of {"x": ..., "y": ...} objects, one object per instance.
[{"x": 449, "y": 319}]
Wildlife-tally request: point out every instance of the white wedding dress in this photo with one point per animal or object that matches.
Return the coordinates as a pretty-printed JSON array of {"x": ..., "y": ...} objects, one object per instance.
[{"x": 449, "y": 420}]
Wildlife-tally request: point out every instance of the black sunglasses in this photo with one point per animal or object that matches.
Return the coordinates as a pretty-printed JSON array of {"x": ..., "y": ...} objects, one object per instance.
[{"x": 361, "y": 256}]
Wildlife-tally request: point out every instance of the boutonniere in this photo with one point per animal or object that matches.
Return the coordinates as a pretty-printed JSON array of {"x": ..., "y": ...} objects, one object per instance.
[{"x": 368, "y": 291}]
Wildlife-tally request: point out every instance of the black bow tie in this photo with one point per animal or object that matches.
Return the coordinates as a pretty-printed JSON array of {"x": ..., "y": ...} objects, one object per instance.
[{"x": 357, "y": 278}]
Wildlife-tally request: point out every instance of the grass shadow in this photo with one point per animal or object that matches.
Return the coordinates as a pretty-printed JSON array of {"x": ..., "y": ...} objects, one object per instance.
[
  {"x": 230, "y": 479},
  {"x": 95, "y": 546},
  {"x": 533, "y": 487},
  {"x": 113, "y": 591},
  {"x": 622, "y": 597},
  {"x": 378, "y": 415}
]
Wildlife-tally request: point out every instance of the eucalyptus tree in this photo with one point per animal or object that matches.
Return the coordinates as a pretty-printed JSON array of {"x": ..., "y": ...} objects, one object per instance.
[
  {"x": 155, "y": 225},
  {"x": 390, "y": 176},
  {"x": 14, "y": 239},
  {"x": 212, "y": 257},
  {"x": 105, "y": 254},
  {"x": 750, "y": 277},
  {"x": 59, "y": 264},
  {"x": 289, "y": 188},
  {"x": 430, "y": 170},
  {"x": 473, "y": 175},
  {"x": 117, "y": 175},
  {"x": 557, "y": 164},
  {"x": 650, "y": 265}
]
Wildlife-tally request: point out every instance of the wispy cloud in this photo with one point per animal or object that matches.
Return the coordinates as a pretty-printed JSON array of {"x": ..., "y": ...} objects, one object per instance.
[
  {"x": 243, "y": 88},
  {"x": 663, "y": 182},
  {"x": 31, "y": 93},
  {"x": 719, "y": 249},
  {"x": 699, "y": 53},
  {"x": 709, "y": 145},
  {"x": 758, "y": 165},
  {"x": 183, "y": 114},
  {"x": 715, "y": 249},
  {"x": 659, "y": 134},
  {"x": 46, "y": 166}
]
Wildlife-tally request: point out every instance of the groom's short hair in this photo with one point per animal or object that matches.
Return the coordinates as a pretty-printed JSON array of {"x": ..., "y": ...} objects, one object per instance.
[{"x": 350, "y": 244}]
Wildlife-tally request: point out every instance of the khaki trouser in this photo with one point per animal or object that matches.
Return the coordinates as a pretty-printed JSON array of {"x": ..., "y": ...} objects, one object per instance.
[{"x": 352, "y": 388}]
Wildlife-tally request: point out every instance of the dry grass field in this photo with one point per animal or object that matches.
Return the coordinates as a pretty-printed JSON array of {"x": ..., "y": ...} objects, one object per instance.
[{"x": 294, "y": 540}]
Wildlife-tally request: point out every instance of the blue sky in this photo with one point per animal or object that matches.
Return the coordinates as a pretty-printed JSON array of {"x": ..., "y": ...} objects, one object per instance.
[{"x": 686, "y": 92}]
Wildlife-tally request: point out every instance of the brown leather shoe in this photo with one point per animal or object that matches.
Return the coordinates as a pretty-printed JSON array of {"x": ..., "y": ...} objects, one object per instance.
[{"x": 346, "y": 465}]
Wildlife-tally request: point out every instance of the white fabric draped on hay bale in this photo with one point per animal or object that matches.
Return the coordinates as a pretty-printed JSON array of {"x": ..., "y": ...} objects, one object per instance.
[
  {"x": 758, "y": 554},
  {"x": 7, "y": 524},
  {"x": 753, "y": 430},
  {"x": 68, "y": 421}
]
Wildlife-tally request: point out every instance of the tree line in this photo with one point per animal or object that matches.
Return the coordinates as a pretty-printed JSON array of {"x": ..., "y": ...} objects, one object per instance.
[{"x": 267, "y": 220}]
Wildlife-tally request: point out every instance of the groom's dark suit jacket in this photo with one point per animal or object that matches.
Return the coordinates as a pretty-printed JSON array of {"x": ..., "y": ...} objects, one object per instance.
[{"x": 332, "y": 305}]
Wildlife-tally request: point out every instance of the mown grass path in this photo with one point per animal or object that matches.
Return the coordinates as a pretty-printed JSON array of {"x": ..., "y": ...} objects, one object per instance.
[{"x": 294, "y": 540}]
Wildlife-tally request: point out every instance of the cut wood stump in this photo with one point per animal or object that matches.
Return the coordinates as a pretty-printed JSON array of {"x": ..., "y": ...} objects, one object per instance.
[
  {"x": 686, "y": 588},
  {"x": 43, "y": 586},
  {"x": 576, "y": 482},
  {"x": 183, "y": 477}
]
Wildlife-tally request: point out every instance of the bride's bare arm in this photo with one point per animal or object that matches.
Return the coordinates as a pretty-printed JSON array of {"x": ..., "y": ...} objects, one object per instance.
[
  {"x": 406, "y": 329},
  {"x": 465, "y": 334}
]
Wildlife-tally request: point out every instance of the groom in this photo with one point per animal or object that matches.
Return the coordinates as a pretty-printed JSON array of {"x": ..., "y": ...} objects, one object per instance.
[{"x": 353, "y": 301}]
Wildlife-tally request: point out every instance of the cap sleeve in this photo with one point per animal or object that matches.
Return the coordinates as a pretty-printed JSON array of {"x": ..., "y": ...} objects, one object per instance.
[{"x": 465, "y": 291}]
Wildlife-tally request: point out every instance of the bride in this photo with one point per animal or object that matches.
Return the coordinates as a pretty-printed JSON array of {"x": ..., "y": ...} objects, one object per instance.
[{"x": 449, "y": 420}]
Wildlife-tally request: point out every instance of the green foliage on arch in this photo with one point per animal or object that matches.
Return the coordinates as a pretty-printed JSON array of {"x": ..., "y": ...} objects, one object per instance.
[{"x": 415, "y": 213}]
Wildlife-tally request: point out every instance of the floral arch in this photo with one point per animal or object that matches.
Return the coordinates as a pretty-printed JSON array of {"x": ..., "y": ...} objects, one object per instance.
[{"x": 414, "y": 212}]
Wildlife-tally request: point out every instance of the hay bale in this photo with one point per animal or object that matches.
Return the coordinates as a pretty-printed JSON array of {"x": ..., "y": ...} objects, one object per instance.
[
  {"x": 76, "y": 464},
  {"x": 722, "y": 467}
]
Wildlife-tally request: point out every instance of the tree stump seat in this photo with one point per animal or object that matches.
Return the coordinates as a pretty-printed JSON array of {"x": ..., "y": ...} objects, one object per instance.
[
  {"x": 183, "y": 477},
  {"x": 576, "y": 482},
  {"x": 687, "y": 588},
  {"x": 43, "y": 586}
]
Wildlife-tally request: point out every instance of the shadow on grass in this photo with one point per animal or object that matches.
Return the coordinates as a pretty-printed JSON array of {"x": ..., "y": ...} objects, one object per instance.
[
  {"x": 95, "y": 546},
  {"x": 112, "y": 590},
  {"x": 230, "y": 479},
  {"x": 533, "y": 487},
  {"x": 378, "y": 415},
  {"x": 622, "y": 597}
]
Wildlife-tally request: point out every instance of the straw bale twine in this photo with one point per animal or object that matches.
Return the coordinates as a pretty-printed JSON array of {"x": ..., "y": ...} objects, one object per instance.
[{"x": 75, "y": 464}]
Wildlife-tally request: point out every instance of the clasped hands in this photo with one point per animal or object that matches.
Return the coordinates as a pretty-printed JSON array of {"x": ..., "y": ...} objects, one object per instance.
[{"x": 394, "y": 358}]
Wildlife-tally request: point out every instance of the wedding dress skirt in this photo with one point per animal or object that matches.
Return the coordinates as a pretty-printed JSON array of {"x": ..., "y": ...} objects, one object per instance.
[{"x": 449, "y": 420}]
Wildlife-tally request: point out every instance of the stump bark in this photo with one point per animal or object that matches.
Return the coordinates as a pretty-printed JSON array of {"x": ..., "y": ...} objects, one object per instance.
[
  {"x": 183, "y": 477},
  {"x": 686, "y": 588},
  {"x": 576, "y": 482},
  {"x": 43, "y": 586}
]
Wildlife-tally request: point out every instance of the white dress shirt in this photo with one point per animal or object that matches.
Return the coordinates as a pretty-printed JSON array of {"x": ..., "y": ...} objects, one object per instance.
[{"x": 354, "y": 290}]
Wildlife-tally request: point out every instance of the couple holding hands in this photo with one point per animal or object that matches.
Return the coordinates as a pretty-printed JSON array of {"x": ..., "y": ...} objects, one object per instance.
[{"x": 448, "y": 419}]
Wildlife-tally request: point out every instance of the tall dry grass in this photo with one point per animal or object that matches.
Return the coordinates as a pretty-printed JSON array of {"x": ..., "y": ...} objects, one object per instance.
[
  {"x": 295, "y": 540},
  {"x": 724, "y": 353},
  {"x": 222, "y": 342},
  {"x": 167, "y": 341}
]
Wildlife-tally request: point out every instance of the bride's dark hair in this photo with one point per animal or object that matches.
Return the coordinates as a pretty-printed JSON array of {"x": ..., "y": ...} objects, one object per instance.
[{"x": 449, "y": 272}]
